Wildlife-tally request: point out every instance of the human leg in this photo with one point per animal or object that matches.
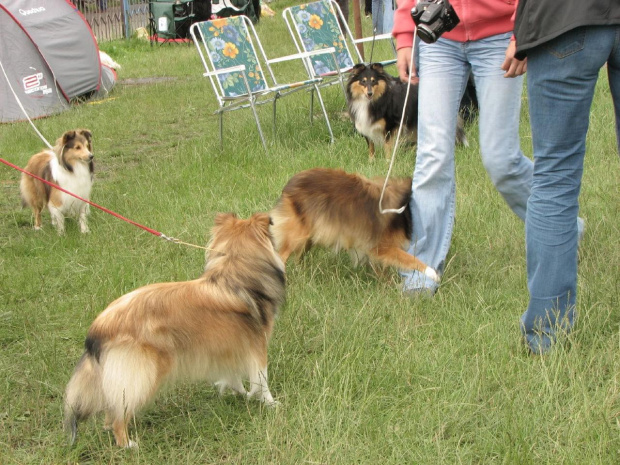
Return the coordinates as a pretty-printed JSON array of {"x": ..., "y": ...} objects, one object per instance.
[
  {"x": 377, "y": 16},
  {"x": 443, "y": 75},
  {"x": 388, "y": 15},
  {"x": 499, "y": 100},
  {"x": 613, "y": 75},
  {"x": 561, "y": 81}
]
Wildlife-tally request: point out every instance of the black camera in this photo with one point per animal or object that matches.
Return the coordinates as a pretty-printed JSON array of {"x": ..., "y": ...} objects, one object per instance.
[{"x": 433, "y": 18}]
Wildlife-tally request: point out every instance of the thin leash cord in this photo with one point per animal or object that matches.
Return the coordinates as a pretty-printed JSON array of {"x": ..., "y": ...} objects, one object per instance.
[
  {"x": 145, "y": 228},
  {"x": 372, "y": 48},
  {"x": 400, "y": 128}
]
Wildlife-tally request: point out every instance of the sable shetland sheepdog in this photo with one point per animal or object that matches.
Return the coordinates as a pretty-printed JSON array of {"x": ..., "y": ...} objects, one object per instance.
[
  {"x": 216, "y": 327},
  {"x": 341, "y": 210},
  {"x": 70, "y": 166},
  {"x": 376, "y": 100}
]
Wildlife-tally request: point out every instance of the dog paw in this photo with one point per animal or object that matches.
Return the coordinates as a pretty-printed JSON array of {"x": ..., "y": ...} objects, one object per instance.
[
  {"x": 272, "y": 403},
  {"x": 131, "y": 445},
  {"x": 431, "y": 273},
  {"x": 235, "y": 389}
]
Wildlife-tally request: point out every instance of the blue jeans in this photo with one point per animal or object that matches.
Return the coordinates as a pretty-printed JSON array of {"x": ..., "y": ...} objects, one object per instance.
[
  {"x": 444, "y": 68},
  {"x": 562, "y": 75},
  {"x": 383, "y": 15}
]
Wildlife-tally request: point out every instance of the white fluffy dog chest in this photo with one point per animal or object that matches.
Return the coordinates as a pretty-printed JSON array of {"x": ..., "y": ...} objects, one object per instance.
[
  {"x": 360, "y": 111},
  {"x": 78, "y": 182}
]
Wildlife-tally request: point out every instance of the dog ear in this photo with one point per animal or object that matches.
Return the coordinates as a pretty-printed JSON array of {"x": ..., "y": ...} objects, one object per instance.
[
  {"x": 378, "y": 67},
  {"x": 358, "y": 68},
  {"x": 67, "y": 137},
  {"x": 262, "y": 220},
  {"x": 222, "y": 218},
  {"x": 88, "y": 135}
]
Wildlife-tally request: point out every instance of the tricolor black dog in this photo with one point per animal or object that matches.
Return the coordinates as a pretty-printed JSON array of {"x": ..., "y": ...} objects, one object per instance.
[{"x": 376, "y": 100}]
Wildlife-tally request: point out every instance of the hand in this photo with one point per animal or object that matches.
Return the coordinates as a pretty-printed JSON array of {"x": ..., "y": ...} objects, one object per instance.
[
  {"x": 511, "y": 65},
  {"x": 404, "y": 64}
]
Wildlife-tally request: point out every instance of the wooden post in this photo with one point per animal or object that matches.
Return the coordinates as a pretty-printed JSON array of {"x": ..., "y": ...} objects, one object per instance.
[{"x": 357, "y": 23}]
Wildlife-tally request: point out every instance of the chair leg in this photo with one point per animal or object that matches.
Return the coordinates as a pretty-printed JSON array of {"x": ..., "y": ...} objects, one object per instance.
[
  {"x": 252, "y": 101},
  {"x": 260, "y": 130},
  {"x": 221, "y": 130},
  {"x": 311, "y": 106},
  {"x": 329, "y": 127},
  {"x": 344, "y": 90},
  {"x": 275, "y": 100}
]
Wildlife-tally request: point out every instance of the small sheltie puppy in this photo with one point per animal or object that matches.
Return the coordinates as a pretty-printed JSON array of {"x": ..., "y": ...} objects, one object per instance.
[
  {"x": 214, "y": 328},
  {"x": 376, "y": 101},
  {"x": 341, "y": 210},
  {"x": 70, "y": 166}
]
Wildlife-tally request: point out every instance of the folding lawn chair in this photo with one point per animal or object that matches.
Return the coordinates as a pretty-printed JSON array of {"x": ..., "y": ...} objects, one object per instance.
[
  {"x": 235, "y": 69},
  {"x": 315, "y": 26}
]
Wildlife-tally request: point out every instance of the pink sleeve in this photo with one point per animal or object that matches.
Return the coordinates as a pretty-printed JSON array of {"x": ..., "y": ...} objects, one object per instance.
[
  {"x": 403, "y": 24},
  {"x": 514, "y": 16}
]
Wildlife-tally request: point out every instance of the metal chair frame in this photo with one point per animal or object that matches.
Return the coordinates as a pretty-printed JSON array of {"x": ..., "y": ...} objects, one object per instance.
[
  {"x": 339, "y": 68},
  {"x": 264, "y": 92}
]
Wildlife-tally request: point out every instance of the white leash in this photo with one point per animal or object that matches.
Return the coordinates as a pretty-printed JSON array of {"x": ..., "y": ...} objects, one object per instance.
[
  {"x": 400, "y": 128},
  {"x": 49, "y": 146}
]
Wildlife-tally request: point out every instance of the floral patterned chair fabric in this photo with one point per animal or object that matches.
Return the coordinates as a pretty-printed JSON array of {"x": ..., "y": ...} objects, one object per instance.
[
  {"x": 229, "y": 45},
  {"x": 235, "y": 62},
  {"x": 317, "y": 25}
]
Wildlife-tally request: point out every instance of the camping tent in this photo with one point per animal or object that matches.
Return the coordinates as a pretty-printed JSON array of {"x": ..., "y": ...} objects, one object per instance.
[{"x": 49, "y": 57}]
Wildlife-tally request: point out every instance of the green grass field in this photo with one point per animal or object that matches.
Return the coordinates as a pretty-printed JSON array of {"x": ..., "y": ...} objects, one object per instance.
[{"x": 364, "y": 375}]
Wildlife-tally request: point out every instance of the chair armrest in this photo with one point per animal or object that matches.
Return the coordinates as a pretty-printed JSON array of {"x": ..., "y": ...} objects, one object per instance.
[
  {"x": 303, "y": 55},
  {"x": 232, "y": 69},
  {"x": 371, "y": 38}
]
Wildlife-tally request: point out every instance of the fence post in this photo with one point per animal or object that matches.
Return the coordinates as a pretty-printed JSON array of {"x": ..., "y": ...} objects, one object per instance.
[{"x": 125, "y": 16}]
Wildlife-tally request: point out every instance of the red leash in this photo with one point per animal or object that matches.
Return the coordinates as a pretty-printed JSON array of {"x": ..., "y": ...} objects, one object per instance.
[{"x": 152, "y": 231}]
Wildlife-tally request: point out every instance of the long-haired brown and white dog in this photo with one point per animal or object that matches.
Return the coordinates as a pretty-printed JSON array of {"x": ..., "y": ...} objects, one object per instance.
[
  {"x": 70, "y": 166},
  {"x": 216, "y": 327},
  {"x": 341, "y": 210}
]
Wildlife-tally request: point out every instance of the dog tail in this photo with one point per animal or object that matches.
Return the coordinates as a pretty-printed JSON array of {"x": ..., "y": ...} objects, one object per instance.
[
  {"x": 461, "y": 137},
  {"x": 23, "y": 189},
  {"x": 84, "y": 394}
]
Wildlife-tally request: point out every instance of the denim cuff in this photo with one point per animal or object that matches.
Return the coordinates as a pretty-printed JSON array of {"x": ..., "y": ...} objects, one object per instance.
[{"x": 416, "y": 281}]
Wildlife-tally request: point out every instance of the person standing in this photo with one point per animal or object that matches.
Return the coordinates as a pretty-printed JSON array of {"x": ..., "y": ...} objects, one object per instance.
[
  {"x": 382, "y": 16},
  {"x": 566, "y": 45},
  {"x": 481, "y": 45}
]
